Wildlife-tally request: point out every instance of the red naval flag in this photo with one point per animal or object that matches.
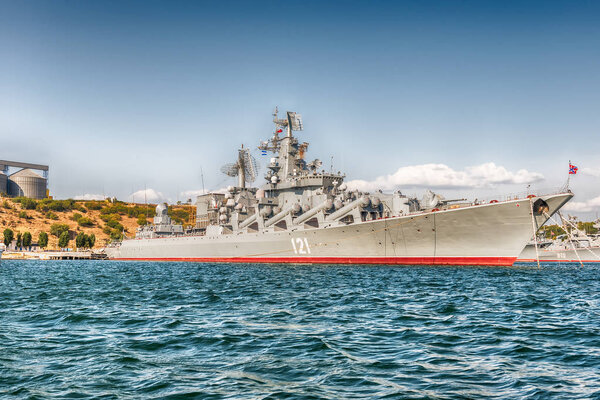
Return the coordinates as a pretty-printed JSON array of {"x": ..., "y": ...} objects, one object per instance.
[{"x": 572, "y": 169}]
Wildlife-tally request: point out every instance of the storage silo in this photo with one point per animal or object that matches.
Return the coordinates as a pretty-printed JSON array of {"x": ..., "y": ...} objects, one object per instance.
[
  {"x": 28, "y": 184},
  {"x": 3, "y": 184}
]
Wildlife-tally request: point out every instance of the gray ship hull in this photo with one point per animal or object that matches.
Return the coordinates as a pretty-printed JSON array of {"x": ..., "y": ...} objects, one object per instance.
[
  {"x": 490, "y": 234},
  {"x": 566, "y": 254}
]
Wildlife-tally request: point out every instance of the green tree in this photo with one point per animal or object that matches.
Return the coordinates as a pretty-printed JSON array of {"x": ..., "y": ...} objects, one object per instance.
[
  {"x": 43, "y": 240},
  {"x": 81, "y": 240},
  {"x": 9, "y": 235},
  {"x": 587, "y": 227},
  {"x": 58, "y": 229},
  {"x": 19, "y": 240},
  {"x": 116, "y": 234},
  {"x": 26, "y": 239},
  {"x": 91, "y": 240},
  {"x": 142, "y": 220},
  {"x": 63, "y": 240}
]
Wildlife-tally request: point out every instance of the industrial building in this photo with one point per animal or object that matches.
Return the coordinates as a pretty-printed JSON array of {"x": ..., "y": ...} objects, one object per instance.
[{"x": 25, "y": 182}]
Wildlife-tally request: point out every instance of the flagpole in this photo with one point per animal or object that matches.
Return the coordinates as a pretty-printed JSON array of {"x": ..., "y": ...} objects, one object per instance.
[{"x": 569, "y": 175}]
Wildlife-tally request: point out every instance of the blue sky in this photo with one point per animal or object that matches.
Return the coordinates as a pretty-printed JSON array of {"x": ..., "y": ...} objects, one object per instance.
[{"x": 116, "y": 96}]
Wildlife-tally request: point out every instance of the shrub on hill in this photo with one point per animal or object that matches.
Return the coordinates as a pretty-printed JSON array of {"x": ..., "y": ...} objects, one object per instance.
[
  {"x": 23, "y": 215},
  {"x": 75, "y": 217},
  {"x": 118, "y": 208},
  {"x": 141, "y": 220},
  {"x": 108, "y": 217},
  {"x": 26, "y": 203},
  {"x": 79, "y": 207},
  {"x": 179, "y": 216},
  {"x": 116, "y": 234},
  {"x": 136, "y": 211},
  {"x": 51, "y": 215},
  {"x": 56, "y": 205},
  {"x": 85, "y": 221},
  {"x": 94, "y": 205},
  {"x": 115, "y": 225},
  {"x": 58, "y": 229}
]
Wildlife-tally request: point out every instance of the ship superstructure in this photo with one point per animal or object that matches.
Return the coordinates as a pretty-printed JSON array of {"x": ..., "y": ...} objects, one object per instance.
[{"x": 304, "y": 214}]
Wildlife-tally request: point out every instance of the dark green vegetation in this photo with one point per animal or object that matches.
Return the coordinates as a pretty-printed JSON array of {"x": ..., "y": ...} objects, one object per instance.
[
  {"x": 58, "y": 229},
  {"x": 83, "y": 241},
  {"x": 26, "y": 239},
  {"x": 49, "y": 204},
  {"x": 552, "y": 231},
  {"x": 179, "y": 215},
  {"x": 9, "y": 235},
  {"x": 51, "y": 215},
  {"x": 43, "y": 240},
  {"x": 142, "y": 220},
  {"x": 121, "y": 208},
  {"x": 63, "y": 239},
  {"x": 108, "y": 219},
  {"x": 113, "y": 227}
]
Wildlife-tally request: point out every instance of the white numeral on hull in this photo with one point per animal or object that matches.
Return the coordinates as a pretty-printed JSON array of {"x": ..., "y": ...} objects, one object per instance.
[{"x": 300, "y": 246}]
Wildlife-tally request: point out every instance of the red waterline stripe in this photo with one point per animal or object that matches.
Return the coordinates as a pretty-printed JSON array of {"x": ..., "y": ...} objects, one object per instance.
[{"x": 496, "y": 261}]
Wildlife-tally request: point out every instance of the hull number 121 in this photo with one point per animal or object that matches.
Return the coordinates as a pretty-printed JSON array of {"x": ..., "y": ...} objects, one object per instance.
[{"x": 300, "y": 246}]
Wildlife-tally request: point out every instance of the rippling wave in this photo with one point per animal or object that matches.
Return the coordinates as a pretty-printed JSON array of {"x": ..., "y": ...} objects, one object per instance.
[{"x": 108, "y": 330}]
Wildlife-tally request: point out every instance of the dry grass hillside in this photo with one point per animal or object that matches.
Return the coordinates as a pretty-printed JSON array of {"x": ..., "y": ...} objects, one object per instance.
[{"x": 107, "y": 220}]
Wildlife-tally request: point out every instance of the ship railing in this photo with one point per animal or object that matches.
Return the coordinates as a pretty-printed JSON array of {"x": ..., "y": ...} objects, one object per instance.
[
  {"x": 518, "y": 195},
  {"x": 503, "y": 198}
]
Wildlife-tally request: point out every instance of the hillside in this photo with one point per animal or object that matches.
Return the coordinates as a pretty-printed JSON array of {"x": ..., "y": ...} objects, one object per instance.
[{"x": 107, "y": 220}]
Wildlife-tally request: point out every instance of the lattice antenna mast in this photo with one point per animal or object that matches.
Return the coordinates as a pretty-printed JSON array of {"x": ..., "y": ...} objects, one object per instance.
[
  {"x": 245, "y": 167},
  {"x": 241, "y": 168}
]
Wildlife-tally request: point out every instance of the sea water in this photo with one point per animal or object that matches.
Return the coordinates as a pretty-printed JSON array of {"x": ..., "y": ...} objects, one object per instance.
[{"x": 103, "y": 329}]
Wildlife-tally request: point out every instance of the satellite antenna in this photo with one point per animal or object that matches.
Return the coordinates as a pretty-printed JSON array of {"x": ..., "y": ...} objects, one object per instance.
[{"x": 246, "y": 168}]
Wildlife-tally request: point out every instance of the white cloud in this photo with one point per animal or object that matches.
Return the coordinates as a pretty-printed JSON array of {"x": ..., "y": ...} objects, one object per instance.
[
  {"x": 148, "y": 195},
  {"x": 591, "y": 171},
  {"x": 89, "y": 196},
  {"x": 192, "y": 194},
  {"x": 583, "y": 206},
  {"x": 442, "y": 176}
]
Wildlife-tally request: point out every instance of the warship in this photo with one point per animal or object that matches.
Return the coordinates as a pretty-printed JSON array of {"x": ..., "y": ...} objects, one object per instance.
[
  {"x": 303, "y": 214},
  {"x": 576, "y": 246}
]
